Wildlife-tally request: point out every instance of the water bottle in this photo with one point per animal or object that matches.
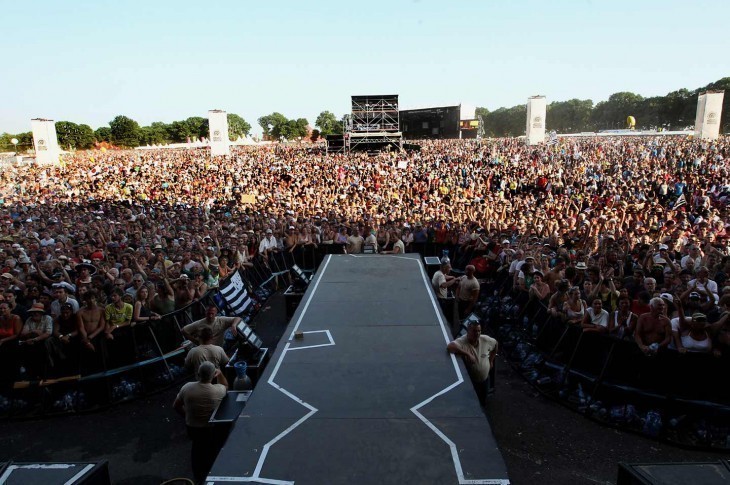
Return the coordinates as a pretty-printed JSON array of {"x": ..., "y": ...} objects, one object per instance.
[
  {"x": 652, "y": 424},
  {"x": 543, "y": 381},
  {"x": 242, "y": 382},
  {"x": 445, "y": 257}
]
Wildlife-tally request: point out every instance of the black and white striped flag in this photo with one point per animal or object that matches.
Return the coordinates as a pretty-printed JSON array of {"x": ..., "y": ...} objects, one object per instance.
[
  {"x": 681, "y": 200},
  {"x": 234, "y": 293}
]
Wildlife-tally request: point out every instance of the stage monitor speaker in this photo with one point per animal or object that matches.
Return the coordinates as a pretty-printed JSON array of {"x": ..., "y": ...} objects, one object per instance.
[
  {"x": 696, "y": 473},
  {"x": 44, "y": 473}
]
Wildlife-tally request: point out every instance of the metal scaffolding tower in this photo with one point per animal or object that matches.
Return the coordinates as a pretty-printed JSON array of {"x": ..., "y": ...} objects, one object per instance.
[{"x": 373, "y": 124}]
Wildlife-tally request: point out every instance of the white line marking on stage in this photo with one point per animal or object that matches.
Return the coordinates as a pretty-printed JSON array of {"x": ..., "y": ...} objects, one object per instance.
[
  {"x": 256, "y": 477},
  {"x": 80, "y": 474},
  {"x": 312, "y": 410},
  {"x": 329, "y": 335},
  {"x": 460, "y": 379},
  {"x": 309, "y": 298},
  {"x": 212, "y": 480}
]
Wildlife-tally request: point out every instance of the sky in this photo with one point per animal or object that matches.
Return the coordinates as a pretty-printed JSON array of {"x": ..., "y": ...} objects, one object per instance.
[{"x": 158, "y": 60}]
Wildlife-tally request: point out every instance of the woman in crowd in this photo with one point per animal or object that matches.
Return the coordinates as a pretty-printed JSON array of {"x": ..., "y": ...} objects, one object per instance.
[
  {"x": 575, "y": 307},
  {"x": 595, "y": 318}
]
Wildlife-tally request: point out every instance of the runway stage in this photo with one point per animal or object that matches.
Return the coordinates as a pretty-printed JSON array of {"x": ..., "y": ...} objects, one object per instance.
[{"x": 369, "y": 395}]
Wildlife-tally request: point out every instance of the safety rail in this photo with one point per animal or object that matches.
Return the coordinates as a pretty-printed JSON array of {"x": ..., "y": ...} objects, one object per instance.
[
  {"x": 142, "y": 359},
  {"x": 673, "y": 397}
]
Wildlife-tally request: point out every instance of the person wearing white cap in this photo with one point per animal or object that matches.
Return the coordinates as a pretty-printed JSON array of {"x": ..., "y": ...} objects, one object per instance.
[
  {"x": 269, "y": 245},
  {"x": 662, "y": 253}
]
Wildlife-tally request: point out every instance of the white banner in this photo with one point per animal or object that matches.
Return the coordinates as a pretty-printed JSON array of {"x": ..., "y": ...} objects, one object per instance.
[
  {"x": 709, "y": 111},
  {"x": 218, "y": 125},
  {"x": 536, "y": 110},
  {"x": 45, "y": 141}
]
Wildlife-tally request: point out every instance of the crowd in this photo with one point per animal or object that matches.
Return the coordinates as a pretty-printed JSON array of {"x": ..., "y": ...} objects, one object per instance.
[{"x": 623, "y": 235}]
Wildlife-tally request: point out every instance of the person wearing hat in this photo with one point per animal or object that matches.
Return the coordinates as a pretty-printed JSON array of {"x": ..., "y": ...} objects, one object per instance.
[
  {"x": 268, "y": 245},
  {"x": 84, "y": 271},
  {"x": 478, "y": 352},
  {"x": 10, "y": 281},
  {"x": 36, "y": 331}
]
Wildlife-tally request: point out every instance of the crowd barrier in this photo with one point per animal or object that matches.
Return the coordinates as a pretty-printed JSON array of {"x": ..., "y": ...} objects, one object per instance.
[
  {"x": 676, "y": 397},
  {"x": 140, "y": 360},
  {"x": 680, "y": 398}
]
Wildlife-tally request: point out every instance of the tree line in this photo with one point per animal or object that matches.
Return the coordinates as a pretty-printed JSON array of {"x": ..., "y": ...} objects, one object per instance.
[
  {"x": 126, "y": 132},
  {"x": 675, "y": 111}
]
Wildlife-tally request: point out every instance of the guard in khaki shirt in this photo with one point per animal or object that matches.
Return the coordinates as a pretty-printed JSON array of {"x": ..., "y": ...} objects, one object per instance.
[{"x": 478, "y": 352}]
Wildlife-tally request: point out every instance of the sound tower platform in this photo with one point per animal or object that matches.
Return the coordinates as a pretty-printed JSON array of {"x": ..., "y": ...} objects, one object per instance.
[{"x": 368, "y": 395}]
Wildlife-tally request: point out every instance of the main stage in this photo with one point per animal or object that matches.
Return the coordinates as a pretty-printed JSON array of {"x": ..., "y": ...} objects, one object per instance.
[{"x": 368, "y": 395}]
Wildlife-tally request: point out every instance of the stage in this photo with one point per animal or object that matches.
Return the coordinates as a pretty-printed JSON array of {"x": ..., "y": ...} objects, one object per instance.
[{"x": 368, "y": 395}]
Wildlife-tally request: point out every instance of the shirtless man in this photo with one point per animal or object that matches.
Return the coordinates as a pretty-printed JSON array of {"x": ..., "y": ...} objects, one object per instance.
[
  {"x": 90, "y": 320},
  {"x": 653, "y": 329},
  {"x": 556, "y": 274}
]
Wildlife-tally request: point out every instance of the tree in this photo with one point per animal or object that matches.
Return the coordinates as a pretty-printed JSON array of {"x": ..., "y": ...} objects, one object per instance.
[
  {"x": 85, "y": 137},
  {"x": 199, "y": 126},
  {"x": 25, "y": 142},
  {"x": 506, "y": 121},
  {"x": 67, "y": 133},
  {"x": 272, "y": 125},
  {"x": 125, "y": 131},
  {"x": 194, "y": 128},
  {"x": 483, "y": 112},
  {"x": 103, "y": 133},
  {"x": 328, "y": 124},
  {"x": 292, "y": 129},
  {"x": 237, "y": 126},
  {"x": 156, "y": 134},
  {"x": 569, "y": 116},
  {"x": 613, "y": 112},
  {"x": 72, "y": 136}
]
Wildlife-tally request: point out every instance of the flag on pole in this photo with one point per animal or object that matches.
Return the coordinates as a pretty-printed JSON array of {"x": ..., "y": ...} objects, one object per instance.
[
  {"x": 681, "y": 200},
  {"x": 235, "y": 295}
]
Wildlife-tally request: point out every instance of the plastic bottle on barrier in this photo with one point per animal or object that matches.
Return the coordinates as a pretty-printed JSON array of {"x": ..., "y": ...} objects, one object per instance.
[
  {"x": 242, "y": 382},
  {"x": 652, "y": 423},
  {"x": 445, "y": 256}
]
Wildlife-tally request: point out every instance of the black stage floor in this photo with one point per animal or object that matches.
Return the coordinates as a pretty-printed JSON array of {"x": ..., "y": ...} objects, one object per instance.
[{"x": 369, "y": 395}]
